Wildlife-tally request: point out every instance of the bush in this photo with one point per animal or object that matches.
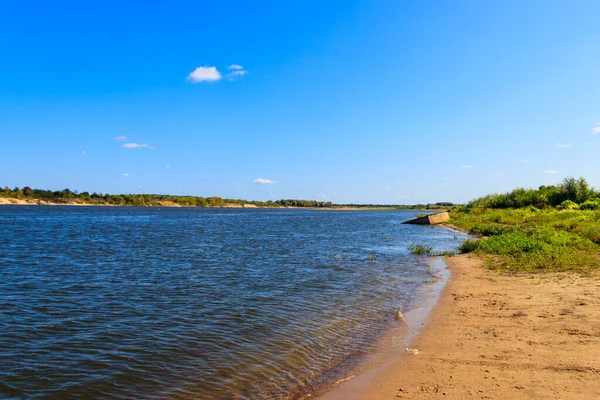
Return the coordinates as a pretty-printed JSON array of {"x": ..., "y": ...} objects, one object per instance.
[
  {"x": 568, "y": 205},
  {"x": 575, "y": 190},
  {"x": 469, "y": 246},
  {"x": 591, "y": 205}
]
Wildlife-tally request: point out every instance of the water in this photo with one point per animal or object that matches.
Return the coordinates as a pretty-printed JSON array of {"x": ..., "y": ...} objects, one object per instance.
[{"x": 127, "y": 302}]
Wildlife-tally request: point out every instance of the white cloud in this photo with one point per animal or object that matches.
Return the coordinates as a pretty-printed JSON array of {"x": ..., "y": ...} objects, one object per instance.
[
  {"x": 321, "y": 195},
  {"x": 563, "y": 145},
  {"x": 84, "y": 152},
  {"x": 204, "y": 74},
  {"x": 140, "y": 186},
  {"x": 262, "y": 181},
  {"x": 125, "y": 175},
  {"x": 524, "y": 161},
  {"x": 446, "y": 178},
  {"x": 121, "y": 138},
  {"x": 167, "y": 166},
  {"x": 550, "y": 171},
  {"x": 236, "y": 71},
  {"x": 136, "y": 146},
  {"x": 388, "y": 187},
  {"x": 467, "y": 166},
  {"x": 596, "y": 130}
]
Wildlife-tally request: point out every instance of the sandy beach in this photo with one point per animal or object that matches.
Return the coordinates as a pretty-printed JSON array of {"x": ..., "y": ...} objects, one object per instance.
[{"x": 499, "y": 336}]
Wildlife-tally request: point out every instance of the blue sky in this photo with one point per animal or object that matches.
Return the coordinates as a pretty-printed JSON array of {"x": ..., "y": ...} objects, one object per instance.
[{"x": 346, "y": 101}]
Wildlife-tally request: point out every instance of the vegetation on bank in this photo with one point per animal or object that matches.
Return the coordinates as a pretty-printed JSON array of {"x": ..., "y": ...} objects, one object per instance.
[
  {"x": 554, "y": 228},
  {"x": 67, "y": 196},
  {"x": 570, "y": 194}
]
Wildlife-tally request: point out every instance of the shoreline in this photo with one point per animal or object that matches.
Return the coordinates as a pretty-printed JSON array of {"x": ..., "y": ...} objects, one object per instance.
[
  {"x": 22, "y": 202},
  {"x": 396, "y": 343},
  {"x": 497, "y": 336}
]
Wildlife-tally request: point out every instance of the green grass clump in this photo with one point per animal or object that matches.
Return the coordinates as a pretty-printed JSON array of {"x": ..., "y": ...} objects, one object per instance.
[
  {"x": 420, "y": 249},
  {"x": 469, "y": 246},
  {"x": 490, "y": 230}
]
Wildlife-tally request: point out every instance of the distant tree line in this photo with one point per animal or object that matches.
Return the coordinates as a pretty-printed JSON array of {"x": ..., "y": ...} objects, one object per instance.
[
  {"x": 304, "y": 203},
  {"x": 67, "y": 196},
  {"x": 570, "y": 194}
]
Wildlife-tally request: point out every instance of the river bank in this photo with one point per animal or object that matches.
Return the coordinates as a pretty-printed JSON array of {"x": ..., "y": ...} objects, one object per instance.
[
  {"x": 499, "y": 336},
  {"x": 166, "y": 203}
]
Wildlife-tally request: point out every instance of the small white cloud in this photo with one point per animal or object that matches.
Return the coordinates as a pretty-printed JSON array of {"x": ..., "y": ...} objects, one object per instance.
[
  {"x": 262, "y": 181},
  {"x": 237, "y": 71},
  {"x": 167, "y": 166},
  {"x": 321, "y": 195},
  {"x": 136, "y": 146},
  {"x": 125, "y": 175},
  {"x": 140, "y": 186},
  {"x": 204, "y": 74},
  {"x": 563, "y": 145},
  {"x": 446, "y": 178},
  {"x": 388, "y": 187},
  {"x": 84, "y": 152},
  {"x": 596, "y": 130},
  {"x": 524, "y": 161},
  {"x": 467, "y": 166},
  {"x": 121, "y": 138},
  {"x": 550, "y": 171}
]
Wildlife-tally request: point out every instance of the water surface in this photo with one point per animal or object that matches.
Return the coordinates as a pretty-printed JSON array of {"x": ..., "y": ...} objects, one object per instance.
[{"x": 128, "y": 302}]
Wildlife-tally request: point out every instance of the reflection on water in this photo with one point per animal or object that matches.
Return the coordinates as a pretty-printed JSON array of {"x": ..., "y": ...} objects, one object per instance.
[{"x": 102, "y": 302}]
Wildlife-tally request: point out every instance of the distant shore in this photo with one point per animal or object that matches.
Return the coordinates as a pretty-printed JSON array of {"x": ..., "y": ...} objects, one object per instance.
[
  {"x": 498, "y": 336},
  {"x": 36, "y": 202},
  {"x": 166, "y": 203}
]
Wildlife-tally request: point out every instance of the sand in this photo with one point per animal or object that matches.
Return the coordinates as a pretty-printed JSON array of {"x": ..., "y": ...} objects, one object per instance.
[{"x": 499, "y": 336}]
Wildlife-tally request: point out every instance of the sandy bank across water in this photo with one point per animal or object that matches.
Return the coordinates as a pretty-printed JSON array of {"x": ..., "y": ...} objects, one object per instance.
[{"x": 498, "y": 336}]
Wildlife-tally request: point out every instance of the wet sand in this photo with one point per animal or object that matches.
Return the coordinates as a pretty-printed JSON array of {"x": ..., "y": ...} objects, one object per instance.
[{"x": 497, "y": 336}]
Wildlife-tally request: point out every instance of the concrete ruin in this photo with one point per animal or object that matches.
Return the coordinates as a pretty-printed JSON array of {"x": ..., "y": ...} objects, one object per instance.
[{"x": 430, "y": 219}]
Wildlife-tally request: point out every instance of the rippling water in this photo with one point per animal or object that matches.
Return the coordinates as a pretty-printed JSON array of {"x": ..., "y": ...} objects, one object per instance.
[{"x": 111, "y": 302}]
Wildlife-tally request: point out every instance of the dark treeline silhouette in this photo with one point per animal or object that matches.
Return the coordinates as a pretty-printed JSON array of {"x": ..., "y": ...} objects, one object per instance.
[{"x": 67, "y": 196}]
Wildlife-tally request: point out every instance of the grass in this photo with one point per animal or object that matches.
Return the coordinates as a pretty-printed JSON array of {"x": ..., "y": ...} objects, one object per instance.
[
  {"x": 420, "y": 249},
  {"x": 530, "y": 239}
]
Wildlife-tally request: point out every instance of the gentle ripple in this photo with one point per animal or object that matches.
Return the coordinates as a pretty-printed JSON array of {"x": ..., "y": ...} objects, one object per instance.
[{"x": 127, "y": 302}]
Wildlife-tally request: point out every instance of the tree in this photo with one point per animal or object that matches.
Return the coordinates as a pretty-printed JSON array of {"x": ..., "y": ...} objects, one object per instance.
[{"x": 576, "y": 190}]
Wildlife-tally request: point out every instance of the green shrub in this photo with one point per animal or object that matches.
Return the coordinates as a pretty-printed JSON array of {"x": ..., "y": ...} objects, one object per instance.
[
  {"x": 469, "y": 246},
  {"x": 590, "y": 205},
  {"x": 568, "y": 205},
  {"x": 576, "y": 190}
]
